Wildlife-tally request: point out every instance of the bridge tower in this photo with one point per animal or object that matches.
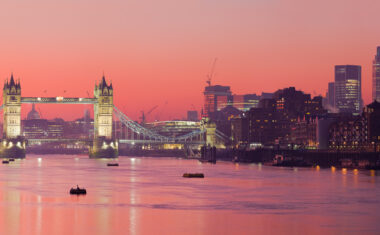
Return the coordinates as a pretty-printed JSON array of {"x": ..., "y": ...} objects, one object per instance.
[
  {"x": 13, "y": 144},
  {"x": 104, "y": 145},
  {"x": 210, "y": 130}
]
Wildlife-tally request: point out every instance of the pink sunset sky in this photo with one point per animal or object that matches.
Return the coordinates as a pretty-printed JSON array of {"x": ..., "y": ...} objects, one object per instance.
[{"x": 158, "y": 52}]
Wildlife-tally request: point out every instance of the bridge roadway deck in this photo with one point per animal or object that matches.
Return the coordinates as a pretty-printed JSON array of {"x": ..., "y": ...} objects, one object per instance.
[
  {"x": 121, "y": 141},
  {"x": 57, "y": 100}
]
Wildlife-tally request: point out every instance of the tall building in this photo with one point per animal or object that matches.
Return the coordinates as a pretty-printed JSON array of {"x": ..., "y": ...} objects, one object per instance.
[
  {"x": 212, "y": 102},
  {"x": 331, "y": 95},
  {"x": 348, "y": 89},
  {"x": 376, "y": 77}
]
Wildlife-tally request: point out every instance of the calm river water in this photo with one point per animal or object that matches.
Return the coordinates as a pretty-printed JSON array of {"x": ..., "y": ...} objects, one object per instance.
[{"x": 149, "y": 196}]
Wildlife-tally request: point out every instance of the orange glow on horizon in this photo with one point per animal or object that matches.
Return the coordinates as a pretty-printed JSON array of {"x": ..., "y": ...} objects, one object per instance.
[{"x": 159, "y": 52}]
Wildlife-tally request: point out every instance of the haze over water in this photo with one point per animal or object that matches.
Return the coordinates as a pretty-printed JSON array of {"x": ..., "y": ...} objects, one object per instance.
[{"x": 149, "y": 196}]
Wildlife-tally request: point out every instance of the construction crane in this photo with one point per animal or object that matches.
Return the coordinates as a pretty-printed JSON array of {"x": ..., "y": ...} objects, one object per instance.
[
  {"x": 211, "y": 74},
  {"x": 144, "y": 115},
  {"x": 162, "y": 110}
]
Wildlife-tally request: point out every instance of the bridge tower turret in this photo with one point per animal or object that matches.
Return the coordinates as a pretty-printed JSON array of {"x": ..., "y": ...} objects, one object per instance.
[
  {"x": 104, "y": 145},
  {"x": 13, "y": 144}
]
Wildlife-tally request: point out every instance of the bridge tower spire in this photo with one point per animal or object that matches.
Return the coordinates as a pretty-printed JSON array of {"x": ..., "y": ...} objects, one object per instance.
[
  {"x": 104, "y": 144},
  {"x": 13, "y": 143}
]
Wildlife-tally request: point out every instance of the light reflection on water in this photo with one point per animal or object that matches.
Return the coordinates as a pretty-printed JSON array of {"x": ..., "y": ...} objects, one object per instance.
[{"x": 149, "y": 196}]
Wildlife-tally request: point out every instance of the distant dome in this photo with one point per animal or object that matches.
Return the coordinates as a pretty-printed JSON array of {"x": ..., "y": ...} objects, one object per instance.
[{"x": 33, "y": 114}]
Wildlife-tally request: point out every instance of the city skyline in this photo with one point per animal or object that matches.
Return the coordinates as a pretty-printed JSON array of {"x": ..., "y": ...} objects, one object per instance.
[
  {"x": 189, "y": 117},
  {"x": 68, "y": 45}
]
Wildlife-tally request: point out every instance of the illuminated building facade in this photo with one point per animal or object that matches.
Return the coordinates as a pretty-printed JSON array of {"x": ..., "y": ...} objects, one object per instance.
[
  {"x": 263, "y": 126},
  {"x": 348, "y": 89},
  {"x": 219, "y": 97},
  {"x": 376, "y": 77},
  {"x": 251, "y": 101},
  {"x": 274, "y": 122},
  {"x": 372, "y": 115},
  {"x": 55, "y": 128},
  {"x": 304, "y": 133},
  {"x": 296, "y": 104},
  {"x": 104, "y": 145},
  {"x": 212, "y": 102},
  {"x": 103, "y": 109},
  {"x": 36, "y": 128},
  {"x": 357, "y": 132},
  {"x": 348, "y": 133}
]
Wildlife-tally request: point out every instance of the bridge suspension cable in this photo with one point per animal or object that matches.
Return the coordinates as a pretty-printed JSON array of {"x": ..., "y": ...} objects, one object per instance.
[{"x": 151, "y": 135}]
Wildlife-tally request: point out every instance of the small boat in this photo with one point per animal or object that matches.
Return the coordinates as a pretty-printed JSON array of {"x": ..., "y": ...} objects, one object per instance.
[
  {"x": 112, "y": 164},
  {"x": 193, "y": 175},
  {"x": 11, "y": 159},
  {"x": 207, "y": 161},
  {"x": 5, "y": 162},
  {"x": 78, "y": 191}
]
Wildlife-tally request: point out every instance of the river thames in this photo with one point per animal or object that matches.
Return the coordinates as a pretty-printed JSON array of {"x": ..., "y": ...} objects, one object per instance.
[{"x": 150, "y": 196}]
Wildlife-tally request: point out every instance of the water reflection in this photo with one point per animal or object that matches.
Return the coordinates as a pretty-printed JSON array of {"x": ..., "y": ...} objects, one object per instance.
[{"x": 149, "y": 196}]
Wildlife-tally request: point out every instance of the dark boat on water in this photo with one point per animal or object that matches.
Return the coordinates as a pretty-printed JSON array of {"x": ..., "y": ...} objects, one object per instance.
[
  {"x": 78, "y": 191},
  {"x": 11, "y": 159},
  {"x": 213, "y": 161},
  {"x": 193, "y": 175},
  {"x": 5, "y": 162},
  {"x": 112, "y": 164}
]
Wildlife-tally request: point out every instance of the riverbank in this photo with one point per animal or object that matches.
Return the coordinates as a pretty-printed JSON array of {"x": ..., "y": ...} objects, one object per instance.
[{"x": 305, "y": 158}]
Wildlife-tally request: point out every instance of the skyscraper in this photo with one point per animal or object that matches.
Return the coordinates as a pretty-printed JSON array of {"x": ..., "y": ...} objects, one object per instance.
[
  {"x": 348, "y": 89},
  {"x": 331, "y": 95},
  {"x": 376, "y": 77},
  {"x": 216, "y": 98}
]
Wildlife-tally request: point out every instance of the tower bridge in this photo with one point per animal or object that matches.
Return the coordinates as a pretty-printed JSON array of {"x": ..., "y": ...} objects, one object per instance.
[{"x": 104, "y": 144}]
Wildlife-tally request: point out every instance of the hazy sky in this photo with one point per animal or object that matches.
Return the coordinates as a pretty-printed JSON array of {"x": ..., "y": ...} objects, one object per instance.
[{"x": 158, "y": 52}]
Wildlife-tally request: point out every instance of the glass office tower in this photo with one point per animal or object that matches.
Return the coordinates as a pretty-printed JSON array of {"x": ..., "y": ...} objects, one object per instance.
[{"x": 348, "y": 89}]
